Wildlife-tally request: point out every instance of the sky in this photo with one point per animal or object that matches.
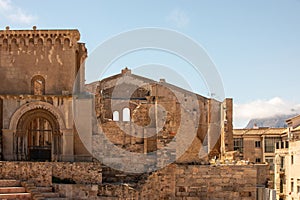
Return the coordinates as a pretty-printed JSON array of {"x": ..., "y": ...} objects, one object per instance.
[{"x": 255, "y": 45}]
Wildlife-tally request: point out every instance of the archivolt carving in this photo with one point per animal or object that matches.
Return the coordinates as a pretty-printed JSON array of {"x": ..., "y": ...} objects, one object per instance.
[{"x": 36, "y": 105}]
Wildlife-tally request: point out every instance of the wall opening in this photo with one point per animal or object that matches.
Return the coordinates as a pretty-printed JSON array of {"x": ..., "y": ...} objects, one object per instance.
[
  {"x": 126, "y": 114},
  {"x": 38, "y": 85},
  {"x": 116, "y": 116}
]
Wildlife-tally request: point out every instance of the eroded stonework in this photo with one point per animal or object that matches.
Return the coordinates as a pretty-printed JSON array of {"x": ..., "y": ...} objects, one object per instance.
[
  {"x": 130, "y": 108},
  {"x": 42, "y": 92}
]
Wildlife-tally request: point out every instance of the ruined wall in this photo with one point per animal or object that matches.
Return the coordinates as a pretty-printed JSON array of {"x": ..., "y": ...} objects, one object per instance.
[
  {"x": 169, "y": 111},
  {"x": 117, "y": 192},
  {"x": 205, "y": 182},
  {"x": 121, "y": 139},
  {"x": 79, "y": 172},
  {"x": 180, "y": 182},
  {"x": 41, "y": 173},
  {"x": 54, "y": 55},
  {"x": 38, "y": 173},
  {"x": 227, "y": 129},
  {"x": 77, "y": 191},
  {"x": 197, "y": 123},
  {"x": 175, "y": 181}
]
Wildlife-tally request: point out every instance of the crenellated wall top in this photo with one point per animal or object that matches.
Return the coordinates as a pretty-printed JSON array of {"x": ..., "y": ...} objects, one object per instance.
[{"x": 36, "y": 36}]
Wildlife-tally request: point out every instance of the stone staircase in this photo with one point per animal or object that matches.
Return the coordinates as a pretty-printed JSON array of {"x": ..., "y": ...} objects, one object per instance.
[
  {"x": 17, "y": 190},
  {"x": 12, "y": 189}
]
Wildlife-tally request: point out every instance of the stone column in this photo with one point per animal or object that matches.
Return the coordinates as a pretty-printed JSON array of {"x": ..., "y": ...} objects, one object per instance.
[
  {"x": 8, "y": 144},
  {"x": 67, "y": 145}
]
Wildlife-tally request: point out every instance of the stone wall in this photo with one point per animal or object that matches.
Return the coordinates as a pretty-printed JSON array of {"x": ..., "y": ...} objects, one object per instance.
[
  {"x": 77, "y": 191},
  {"x": 116, "y": 192},
  {"x": 41, "y": 173},
  {"x": 205, "y": 182},
  {"x": 79, "y": 172},
  {"x": 176, "y": 181},
  {"x": 54, "y": 55},
  {"x": 187, "y": 126}
]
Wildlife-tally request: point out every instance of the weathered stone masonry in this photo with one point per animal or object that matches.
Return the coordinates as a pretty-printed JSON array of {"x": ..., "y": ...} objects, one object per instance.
[{"x": 38, "y": 73}]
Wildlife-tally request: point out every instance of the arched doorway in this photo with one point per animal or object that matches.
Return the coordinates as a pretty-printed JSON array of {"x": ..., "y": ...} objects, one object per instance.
[{"x": 37, "y": 137}]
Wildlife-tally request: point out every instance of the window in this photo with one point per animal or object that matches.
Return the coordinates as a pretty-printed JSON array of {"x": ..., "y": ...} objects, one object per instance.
[
  {"x": 292, "y": 159},
  {"x": 38, "y": 85},
  {"x": 115, "y": 116},
  {"x": 282, "y": 162},
  {"x": 281, "y": 186},
  {"x": 257, "y": 160},
  {"x": 282, "y": 144},
  {"x": 292, "y": 185},
  {"x": 238, "y": 144},
  {"x": 277, "y": 145},
  {"x": 286, "y": 144},
  {"x": 257, "y": 144},
  {"x": 298, "y": 189},
  {"x": 270, "y": 144},
  {"x": 126, "y": 115}
]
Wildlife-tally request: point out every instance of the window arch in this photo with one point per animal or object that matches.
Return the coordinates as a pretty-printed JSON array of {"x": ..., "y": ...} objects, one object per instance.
[
  {"x": 115, "y": 116},
  {"x": 38, "y": 85},
  {"x": 126, "y": 114}
]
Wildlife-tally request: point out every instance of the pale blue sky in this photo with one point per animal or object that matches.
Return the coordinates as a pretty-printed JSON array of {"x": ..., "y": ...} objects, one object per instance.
[{"x": 254, "y": 44}]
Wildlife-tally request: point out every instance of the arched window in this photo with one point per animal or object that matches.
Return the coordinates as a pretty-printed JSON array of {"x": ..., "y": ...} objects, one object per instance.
[
  {"x": 126, "y": 115},
  {"x": 115, "y": 116},
  {"x": 38, "y": 85}
]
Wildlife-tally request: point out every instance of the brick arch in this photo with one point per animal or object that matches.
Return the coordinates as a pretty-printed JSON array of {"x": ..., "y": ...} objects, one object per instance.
[{"x": 36, "y": 105}]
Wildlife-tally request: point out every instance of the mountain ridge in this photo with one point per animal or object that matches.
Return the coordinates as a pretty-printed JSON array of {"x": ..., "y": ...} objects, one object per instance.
[{"x": 277, "y": 121}]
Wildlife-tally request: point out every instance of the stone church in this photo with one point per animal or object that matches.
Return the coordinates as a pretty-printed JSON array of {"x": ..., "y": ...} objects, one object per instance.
[
  {"x": 42, "y": 77},
  {"x": 38, "y": 71}
]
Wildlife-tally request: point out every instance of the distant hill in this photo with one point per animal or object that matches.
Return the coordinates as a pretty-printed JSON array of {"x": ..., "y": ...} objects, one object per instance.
[{"x": 277, "y": 121}]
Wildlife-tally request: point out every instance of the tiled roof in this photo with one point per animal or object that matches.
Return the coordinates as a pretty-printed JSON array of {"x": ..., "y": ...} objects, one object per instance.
[
  {"x": 259, "y": 131},
  {"x": 290, "y": 119},
  {"x": 296, "y": 129}
]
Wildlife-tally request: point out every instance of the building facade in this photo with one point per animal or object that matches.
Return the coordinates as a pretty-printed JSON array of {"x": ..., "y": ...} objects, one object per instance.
[
  {"x": 280, "y": 148},
  {"x": 287, "y": 174},
  {"x": 38, "y": 74},
  {"x": 257, "y": 145},
  {"x": 129, "y": 106}
]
